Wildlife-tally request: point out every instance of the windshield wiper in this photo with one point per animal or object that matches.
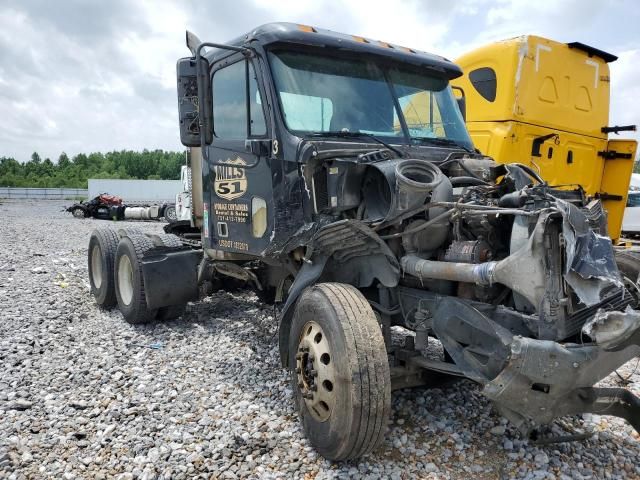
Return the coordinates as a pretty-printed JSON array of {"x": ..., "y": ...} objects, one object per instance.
[
  {"x": 442, "y": 141},
  {"x": 346, "y": 134}
]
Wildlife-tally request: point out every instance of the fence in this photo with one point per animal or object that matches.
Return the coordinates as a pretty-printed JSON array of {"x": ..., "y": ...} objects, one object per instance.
[
  {"x": 43, "y": 193},
  {"x": 136, "y": 190}
]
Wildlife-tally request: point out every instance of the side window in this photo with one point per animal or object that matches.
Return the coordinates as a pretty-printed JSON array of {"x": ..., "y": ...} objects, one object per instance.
[
  {"x": 230, "y": 103},
  {"x": 633, "y": 200},
  {"x": 484, "y": 81}
]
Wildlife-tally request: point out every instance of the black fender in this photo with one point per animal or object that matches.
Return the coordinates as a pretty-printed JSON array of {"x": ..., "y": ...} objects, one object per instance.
[{"x": 307, "y": 276}]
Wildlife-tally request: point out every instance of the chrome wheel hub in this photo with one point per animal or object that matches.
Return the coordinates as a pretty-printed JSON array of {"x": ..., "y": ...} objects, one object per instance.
[{"x": 315, "y": 373}]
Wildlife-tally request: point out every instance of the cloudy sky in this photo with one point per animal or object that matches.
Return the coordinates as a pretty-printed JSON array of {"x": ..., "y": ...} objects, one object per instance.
[{"x": 84, "y": 75}]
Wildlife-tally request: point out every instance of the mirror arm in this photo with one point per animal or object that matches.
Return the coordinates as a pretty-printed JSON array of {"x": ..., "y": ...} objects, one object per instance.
[{"x": 203, "y": 144}]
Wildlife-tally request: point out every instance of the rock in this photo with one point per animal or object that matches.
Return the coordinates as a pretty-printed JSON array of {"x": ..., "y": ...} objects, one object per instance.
[
  {"x": 20, "y": 404},
  {"x": 541, "y": 458}
]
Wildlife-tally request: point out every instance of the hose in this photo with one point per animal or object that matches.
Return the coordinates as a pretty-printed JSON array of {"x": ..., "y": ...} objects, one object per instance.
[
  {"x": 464, "y": 181},
  {"x": 479, "y": 273},
  {"x": 427, "y": 224}
]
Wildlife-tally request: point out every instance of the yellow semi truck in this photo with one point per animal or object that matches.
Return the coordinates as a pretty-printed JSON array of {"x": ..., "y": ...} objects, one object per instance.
[{"x": 544, "y": 103}]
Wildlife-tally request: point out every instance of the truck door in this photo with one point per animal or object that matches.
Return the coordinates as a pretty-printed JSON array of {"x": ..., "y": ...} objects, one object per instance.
[
  {"x": 239, "y": 213},
  {"x": 618, "y": 166}
]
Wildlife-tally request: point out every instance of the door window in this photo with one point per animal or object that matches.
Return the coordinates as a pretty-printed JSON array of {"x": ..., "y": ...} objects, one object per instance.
[{"x": 230, "y": 103}]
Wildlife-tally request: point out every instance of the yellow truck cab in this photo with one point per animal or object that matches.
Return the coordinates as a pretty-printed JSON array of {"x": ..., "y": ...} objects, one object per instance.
[{"x": 545, "y": 104}]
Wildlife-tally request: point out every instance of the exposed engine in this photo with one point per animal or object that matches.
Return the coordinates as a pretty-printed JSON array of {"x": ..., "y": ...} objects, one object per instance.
[{"x": 470, "y": 228}]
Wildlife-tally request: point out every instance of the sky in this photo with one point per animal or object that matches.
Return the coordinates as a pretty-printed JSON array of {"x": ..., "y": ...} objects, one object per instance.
[{"x": 83, "y": 75}]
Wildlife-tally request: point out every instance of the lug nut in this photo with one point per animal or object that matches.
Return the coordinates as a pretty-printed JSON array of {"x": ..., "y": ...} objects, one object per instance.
[{"x": 314, "y": 388}]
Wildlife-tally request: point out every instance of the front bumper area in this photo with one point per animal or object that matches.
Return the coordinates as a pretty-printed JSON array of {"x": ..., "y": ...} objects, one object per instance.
[
  {"x": 534, "y": 381},
  {"x": 544, "y": 380}
]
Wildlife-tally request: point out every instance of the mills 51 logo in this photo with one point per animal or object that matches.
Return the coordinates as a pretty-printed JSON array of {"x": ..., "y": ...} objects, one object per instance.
[{"x": 231, "y": 179}]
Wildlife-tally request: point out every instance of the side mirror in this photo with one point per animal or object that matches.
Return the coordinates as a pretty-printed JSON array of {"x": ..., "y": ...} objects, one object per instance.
[
  {"x": 462, "y": 101},
  {"x": 194, "y": 106}
]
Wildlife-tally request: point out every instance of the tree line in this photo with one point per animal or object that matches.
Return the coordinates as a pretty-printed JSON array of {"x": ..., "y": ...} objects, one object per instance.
[{"x": 75, "y": 171}]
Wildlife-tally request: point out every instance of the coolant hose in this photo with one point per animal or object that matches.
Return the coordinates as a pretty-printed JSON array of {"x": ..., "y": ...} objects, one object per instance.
[
  {"x": 438, "y": 232},
  {"x": 480, "y": 273}
]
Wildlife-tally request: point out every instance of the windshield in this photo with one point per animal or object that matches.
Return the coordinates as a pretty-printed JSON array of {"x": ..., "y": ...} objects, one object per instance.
[{"x": 323, "y": 94}]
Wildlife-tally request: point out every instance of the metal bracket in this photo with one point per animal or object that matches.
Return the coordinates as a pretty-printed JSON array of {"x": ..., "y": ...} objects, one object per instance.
[{"x": 612, "y": 155}]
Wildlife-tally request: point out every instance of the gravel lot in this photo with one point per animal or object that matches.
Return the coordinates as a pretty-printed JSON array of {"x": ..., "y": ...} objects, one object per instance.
[{"x": 84, "y": 395}]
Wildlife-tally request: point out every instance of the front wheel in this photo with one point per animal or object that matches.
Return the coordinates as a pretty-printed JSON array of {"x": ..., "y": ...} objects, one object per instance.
[
  {"x": 79, "y": 212},
  {"x": 340, "y": 372},
  {"x": 170, "y": 214}
]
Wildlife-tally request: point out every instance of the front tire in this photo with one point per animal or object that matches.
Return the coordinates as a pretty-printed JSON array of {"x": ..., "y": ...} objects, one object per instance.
[
  {"x": 130, "y": 291},
  {"x": 170, "y": 214},
  {"x": 340, "y": 372},
  {"x": 79, "y": 212}
]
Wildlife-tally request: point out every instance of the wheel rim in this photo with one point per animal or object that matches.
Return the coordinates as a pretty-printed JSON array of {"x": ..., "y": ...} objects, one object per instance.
[
  {"x": 78, "y": 213},
  {"x": 96, "y": 267},
  {"x": 315, "y": 372},
  {"x": 125, "y": 279},
  {"x": 170, "y": 213}
]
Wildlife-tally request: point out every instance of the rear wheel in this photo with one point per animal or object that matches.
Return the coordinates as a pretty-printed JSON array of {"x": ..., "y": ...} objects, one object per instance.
[
  {"x": 340, "y": 372},
  {"x": 130, "y": 292},
  {"x": 101, "y": 256}
]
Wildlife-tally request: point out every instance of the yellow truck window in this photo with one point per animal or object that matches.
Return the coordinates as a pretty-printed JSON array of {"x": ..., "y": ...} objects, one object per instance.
[{"x": 484, "y": 81}]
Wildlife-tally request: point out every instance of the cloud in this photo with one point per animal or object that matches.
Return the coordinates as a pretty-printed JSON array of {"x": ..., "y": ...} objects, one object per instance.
[{"x": 85, "y": 75}]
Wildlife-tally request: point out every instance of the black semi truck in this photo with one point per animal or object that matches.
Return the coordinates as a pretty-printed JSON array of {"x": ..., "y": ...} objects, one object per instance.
[{"x": 342, "y": 168}]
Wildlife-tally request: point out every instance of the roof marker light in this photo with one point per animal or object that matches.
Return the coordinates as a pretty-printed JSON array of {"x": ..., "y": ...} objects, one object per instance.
[
  {"x": 307, "y": 28},
  {"x": 360, "y": 39}
]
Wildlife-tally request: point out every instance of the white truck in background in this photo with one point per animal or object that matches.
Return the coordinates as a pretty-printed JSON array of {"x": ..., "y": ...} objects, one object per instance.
[
  {"x": 182, "y": 209},
  {"x": 631, "y": 218}
]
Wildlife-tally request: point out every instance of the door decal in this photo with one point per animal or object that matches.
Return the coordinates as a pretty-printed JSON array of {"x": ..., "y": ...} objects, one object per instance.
[{"x": 231, "y": 180}]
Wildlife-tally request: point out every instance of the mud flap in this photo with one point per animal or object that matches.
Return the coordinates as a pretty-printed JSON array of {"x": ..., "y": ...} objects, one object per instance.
[{"x": 170, "y": 277}]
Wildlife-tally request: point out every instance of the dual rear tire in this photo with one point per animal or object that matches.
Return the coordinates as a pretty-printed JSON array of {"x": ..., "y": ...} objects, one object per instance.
[{"x": 115, "y": 274}]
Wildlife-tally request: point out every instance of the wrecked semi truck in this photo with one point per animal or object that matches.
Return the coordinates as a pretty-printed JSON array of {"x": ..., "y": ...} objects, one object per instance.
[{"x": 309, "y": 183}]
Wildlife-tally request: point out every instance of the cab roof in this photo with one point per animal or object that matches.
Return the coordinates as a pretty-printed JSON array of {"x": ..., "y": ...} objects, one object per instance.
[{"x": 283, "y": 33}]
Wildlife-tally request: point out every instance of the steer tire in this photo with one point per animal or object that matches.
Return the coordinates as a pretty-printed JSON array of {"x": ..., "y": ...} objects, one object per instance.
[
  {"x": 101, "y": 256},
  {"x": 337, "y": 355},
  {"x": 170, "y": 214},
  {"x": 628, "y": 262},
  {"x": 130, "y": 291},
  {"x": 79, "y": 212}
]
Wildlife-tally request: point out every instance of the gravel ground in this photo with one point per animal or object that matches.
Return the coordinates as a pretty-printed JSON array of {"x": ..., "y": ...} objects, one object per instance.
[{"x": 84, "y": 395}]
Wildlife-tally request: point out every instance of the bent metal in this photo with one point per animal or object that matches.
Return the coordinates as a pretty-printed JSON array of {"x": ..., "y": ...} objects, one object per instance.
[{"x": 362, "y": 219}]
